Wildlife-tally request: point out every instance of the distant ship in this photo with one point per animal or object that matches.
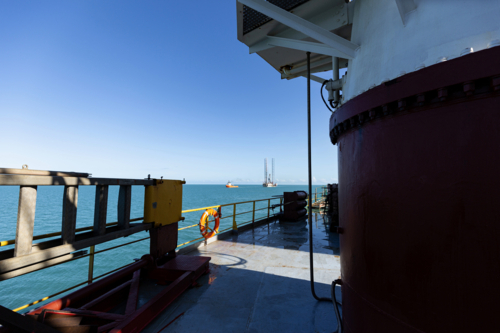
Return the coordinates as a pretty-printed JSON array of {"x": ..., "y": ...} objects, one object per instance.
[
  {"x": 230, "y": 185},
  {"x": 268, "y": 178}
]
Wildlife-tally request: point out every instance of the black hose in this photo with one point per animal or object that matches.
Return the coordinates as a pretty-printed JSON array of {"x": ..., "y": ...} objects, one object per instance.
[
  {"x": 310, "y": 178},
  {"x": 336, "y": 306},
  {"x": 323, "y": 98}
]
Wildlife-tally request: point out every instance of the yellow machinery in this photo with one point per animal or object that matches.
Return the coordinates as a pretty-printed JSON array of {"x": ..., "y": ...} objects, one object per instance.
[{"x": 163, "y": 202}]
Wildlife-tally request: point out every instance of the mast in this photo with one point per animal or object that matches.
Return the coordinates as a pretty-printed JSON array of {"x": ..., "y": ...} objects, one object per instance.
[
  {"x": 265, "y": 170},
  {"x": 273, "y": 172}
]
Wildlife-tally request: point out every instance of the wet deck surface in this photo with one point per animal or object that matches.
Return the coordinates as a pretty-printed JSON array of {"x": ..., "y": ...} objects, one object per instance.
[{"x": 259, "y": 282}]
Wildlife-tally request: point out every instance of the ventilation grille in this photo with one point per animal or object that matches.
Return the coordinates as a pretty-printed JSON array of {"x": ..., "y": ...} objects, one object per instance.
[{"x": 252, "y": 19}]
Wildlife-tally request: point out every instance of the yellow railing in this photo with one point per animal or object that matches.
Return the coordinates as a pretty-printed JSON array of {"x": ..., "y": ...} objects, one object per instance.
[
  {"x": 234, "y": 205},
  {"x": 92, "y": 251}
]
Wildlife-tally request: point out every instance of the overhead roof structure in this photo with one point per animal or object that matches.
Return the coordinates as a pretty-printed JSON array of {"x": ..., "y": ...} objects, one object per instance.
[{"x": 281, "y": 31}]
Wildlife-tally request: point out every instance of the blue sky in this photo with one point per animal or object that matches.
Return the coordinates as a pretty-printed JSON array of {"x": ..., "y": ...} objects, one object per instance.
[{"x": 131, "y": 88}]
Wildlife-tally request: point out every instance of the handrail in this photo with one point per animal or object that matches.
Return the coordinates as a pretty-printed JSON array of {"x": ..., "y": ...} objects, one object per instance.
[
  {"x": 191, "y": 241},
  {"x": 197, "y": 209},
  {"x": 242, "y": 202},
  {"x": 194, "y": 225},
  {"x": 53, "y": 234},
  {"x": 35, "y": 180}
]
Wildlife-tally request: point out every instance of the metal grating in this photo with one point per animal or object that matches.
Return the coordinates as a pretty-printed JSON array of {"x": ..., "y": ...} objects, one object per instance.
[{"x": 252, "y": 19}]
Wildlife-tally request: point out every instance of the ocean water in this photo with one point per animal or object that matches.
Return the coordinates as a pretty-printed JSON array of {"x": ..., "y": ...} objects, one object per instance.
[{"x": 37, "y": 285}]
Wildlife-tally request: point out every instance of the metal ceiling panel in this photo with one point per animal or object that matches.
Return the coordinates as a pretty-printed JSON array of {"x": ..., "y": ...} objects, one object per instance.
[{"x": 252, "y": 19}]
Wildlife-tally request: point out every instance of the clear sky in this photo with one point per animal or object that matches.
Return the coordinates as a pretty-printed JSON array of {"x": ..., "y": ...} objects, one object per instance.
[{"x": 131, "y": 88}]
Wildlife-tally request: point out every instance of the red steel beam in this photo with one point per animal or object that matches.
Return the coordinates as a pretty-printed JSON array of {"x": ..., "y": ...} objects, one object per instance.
[
  {"x": 104, "y": 296},
  {"x": 102, "y": 315},
  {"x": 142, "y": 317},
  {"x": 133, "y": 294}
]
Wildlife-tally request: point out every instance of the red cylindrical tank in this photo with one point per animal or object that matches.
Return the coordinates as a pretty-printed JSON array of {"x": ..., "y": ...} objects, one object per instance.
[{"x": 419, "y": 200}]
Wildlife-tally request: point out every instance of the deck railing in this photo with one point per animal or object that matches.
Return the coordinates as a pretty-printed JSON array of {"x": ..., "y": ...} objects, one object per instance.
[
  {"x": 91, "y": 253},
  {"x": 323, "y": 191}
]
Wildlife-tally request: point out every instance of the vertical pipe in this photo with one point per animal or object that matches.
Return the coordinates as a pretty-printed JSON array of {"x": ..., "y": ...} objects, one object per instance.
[
  {"x": 235, "y": 227},
  {"x": 311, "y": 259},
  {"x": 335, "y": 67},
  {"x": 91, "y": 264},
  {"x": 268, "y": 207},
  {"x": 253, "y": 212},
  {"x": 309, "y": 204}
]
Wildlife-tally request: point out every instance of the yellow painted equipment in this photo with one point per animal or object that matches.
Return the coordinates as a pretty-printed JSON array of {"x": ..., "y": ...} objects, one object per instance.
[{"x": 163, "y": 202}]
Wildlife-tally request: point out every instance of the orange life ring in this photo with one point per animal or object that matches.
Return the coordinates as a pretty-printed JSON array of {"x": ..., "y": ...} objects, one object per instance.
[{"x": 204, "y": 228}]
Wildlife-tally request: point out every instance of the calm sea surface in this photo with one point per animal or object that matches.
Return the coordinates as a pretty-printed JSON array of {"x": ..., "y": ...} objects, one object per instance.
[{"x": 30, "y": 287}]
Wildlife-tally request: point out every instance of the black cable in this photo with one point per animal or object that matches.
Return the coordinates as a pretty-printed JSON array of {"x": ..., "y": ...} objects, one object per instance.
[
  {"x": 310, "y": 178},
  {"x": 323, "y": 98},
  {"x": 336, "y": 306},
  {"x": 334, "y": 104}
]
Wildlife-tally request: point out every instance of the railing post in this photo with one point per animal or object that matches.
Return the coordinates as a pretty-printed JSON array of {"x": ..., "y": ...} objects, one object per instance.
[
  {"x": 268, "y": 207},
  {"x": 100, "y": 210},
  {"x": 25, "y": 220},
  {"x": 70, "y": 202},
  {"x": 281, "y": 205},
  {"x": 253, "y": 213},
  {"x": 91, "y": 264},
  {"x": 235, "y": 227},
  {"x": 124, "y": 202}
]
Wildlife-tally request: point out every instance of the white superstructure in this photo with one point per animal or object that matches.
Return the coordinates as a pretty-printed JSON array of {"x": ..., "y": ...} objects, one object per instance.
[
  {"x": 377, "y": 40},
  {"x": 393, "y": 44}
]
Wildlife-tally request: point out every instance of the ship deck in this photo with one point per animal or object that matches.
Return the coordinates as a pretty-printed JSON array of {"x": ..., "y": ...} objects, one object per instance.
[{"x": 259, "y": 282}]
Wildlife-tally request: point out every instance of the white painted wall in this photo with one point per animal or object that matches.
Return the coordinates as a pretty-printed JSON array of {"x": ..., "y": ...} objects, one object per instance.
[{"x": 436, "y": 29}]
